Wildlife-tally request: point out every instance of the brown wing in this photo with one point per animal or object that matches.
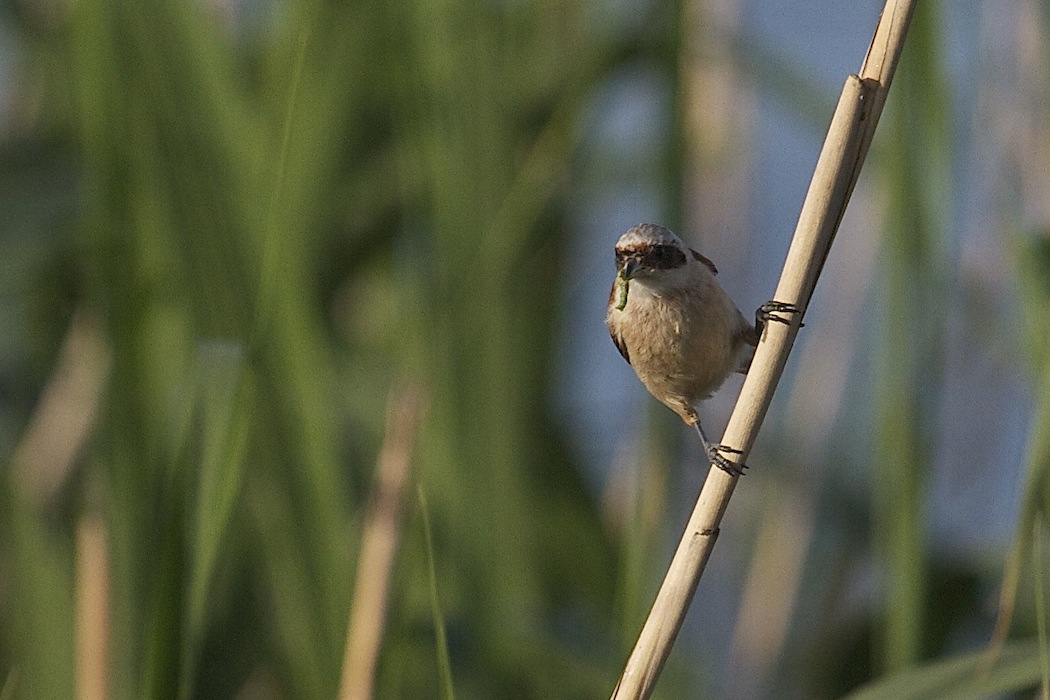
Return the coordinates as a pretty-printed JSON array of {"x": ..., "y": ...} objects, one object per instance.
[
  {"x": 620, "y": 345},
  {"x": 707, "y": 263},
  {"x": 617, "y": 340}
]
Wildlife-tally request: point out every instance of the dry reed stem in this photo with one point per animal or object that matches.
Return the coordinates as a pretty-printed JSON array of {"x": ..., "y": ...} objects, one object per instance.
[
  {"x": 92, "y": 609},
  {"x": 838, "y": 167},
  {"x": 65, "y": 413},
  {"x": 379, "y": 541}
]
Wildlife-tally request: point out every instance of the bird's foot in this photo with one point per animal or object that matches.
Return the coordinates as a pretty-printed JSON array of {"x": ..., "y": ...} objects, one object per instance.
[
  {"x": 767, "y": 311},
  {"x": 714, "y": 453}
]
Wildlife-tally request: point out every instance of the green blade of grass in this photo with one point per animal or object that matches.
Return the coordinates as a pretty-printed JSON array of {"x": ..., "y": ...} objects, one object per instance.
[
  {"x": 911, "y": 343},
  {"x": 223, "y": 397},
  {"x": 444, "y": 663},
  {"x": 1018, "y": 668}
]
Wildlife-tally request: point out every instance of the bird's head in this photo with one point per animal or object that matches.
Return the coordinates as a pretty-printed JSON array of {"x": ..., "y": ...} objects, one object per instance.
[{"x": 650, "y": 252}]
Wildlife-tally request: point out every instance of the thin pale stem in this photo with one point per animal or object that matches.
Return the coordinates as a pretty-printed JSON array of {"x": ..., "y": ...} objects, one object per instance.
[
  {"x": 379, "y": 543},
  {"x": 92, "y": 610}
]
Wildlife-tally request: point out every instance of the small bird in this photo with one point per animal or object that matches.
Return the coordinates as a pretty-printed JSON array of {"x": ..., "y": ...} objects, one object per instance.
[{"x": 675, "y": 325}]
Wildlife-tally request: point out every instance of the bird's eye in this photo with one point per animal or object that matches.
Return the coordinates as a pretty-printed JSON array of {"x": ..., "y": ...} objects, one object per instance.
[{"x": 666, "y": 257}]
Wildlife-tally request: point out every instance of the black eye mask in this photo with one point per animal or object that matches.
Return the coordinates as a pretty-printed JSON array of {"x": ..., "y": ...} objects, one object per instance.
[
  {"x": 657, "y": 257},
  {"x": 663, "y": 257}
]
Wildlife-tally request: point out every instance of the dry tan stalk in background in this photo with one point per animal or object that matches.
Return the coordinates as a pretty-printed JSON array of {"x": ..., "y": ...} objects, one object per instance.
[
  {"x": 61, "y": 424},
  {"x": 838, "y": 167},
  {"x": 92, "y": 609},
  {"x": 380, "y": 535},
  {"x": 65, "y": 413}
]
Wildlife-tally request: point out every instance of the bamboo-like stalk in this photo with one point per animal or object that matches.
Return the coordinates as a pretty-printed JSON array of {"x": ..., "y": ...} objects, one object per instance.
[
  {"x": 852, "y": 128},
  {"x": 92, "y": 609},
  {"x": 66, "y": 413},
  {"x": 379, "y": 542}
]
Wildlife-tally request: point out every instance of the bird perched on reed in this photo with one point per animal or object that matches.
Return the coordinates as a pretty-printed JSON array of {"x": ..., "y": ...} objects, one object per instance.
[{"x": 672, "y": 321}]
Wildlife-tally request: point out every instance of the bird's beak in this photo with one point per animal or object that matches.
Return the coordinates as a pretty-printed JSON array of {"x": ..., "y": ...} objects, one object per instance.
[{"x": 630, "y": 269}]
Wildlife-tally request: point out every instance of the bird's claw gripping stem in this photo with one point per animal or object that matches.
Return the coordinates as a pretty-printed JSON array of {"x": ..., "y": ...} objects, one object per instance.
[
  {"x": 767, "y": 312},
  {"x": 714, "y": 453}
]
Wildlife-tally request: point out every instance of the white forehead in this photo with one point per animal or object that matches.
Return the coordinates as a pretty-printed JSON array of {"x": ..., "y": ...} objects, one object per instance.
[{"x": 644, "y": 235}]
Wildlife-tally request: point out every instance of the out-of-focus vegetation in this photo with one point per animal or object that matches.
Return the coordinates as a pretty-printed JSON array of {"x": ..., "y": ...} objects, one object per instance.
[{"x": 229, "y": 232}]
